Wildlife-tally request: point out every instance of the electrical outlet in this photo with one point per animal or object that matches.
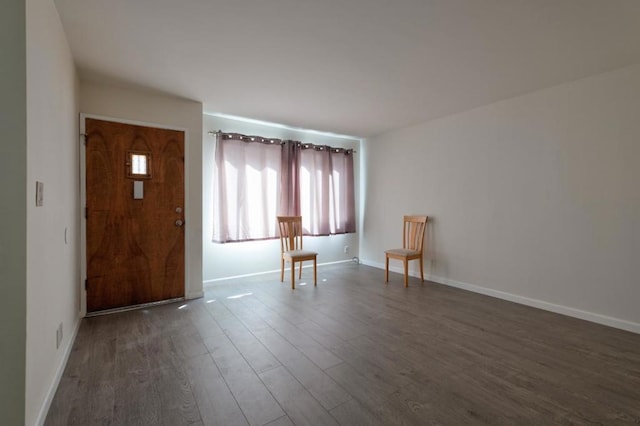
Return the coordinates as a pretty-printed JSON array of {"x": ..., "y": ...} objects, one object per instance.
[
  {"x": 59, "y": 336},
  {"x": 346, "y": 249}
]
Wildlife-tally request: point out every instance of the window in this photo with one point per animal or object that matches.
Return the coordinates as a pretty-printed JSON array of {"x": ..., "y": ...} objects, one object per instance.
[
  {"x": 138, "y": 165},
  {"x": 256, "y": 179}
]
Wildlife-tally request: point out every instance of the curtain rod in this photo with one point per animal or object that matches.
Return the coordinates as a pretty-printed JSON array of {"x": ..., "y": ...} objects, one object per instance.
[{"x": 261, "y": 139}]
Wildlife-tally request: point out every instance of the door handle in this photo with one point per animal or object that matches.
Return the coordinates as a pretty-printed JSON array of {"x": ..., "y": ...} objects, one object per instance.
[{"x": 179, "y": 222}]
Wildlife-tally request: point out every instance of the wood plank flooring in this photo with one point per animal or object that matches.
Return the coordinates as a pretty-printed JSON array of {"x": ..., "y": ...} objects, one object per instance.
[{"x": 352, "y": 351}]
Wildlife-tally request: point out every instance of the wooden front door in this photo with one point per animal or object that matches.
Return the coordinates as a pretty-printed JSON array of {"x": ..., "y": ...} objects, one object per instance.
[{"x": 135, "y": 214}]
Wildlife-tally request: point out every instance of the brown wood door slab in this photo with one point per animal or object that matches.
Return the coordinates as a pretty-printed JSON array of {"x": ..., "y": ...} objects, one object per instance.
[{"x": 135, "y": 247}]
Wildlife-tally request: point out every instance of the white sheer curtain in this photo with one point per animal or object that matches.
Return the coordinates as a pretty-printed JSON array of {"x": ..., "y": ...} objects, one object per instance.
[{"x": 246, "y": 188}]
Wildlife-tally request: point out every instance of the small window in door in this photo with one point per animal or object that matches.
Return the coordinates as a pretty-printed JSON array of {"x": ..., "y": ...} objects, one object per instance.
[{"x": 138, "y": 165}]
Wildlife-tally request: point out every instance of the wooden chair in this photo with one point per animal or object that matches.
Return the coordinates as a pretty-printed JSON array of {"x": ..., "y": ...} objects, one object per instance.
[
  {"x": 291, "y": 248},
  {"x": 412, "y": 242}
]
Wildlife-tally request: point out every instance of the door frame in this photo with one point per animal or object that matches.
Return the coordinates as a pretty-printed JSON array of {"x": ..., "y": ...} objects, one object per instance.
[{"x": 83, "y": 203}]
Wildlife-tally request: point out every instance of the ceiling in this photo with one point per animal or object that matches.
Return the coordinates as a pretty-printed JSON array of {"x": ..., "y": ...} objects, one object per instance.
[{"x": 354, "y": 67}]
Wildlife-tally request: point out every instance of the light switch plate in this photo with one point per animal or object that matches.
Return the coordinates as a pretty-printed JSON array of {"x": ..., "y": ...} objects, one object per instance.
[{"x": 39, "y": 194}]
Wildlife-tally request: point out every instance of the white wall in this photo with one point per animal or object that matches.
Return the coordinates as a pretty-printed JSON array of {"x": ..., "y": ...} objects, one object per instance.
[
  {"x": 13, "y": 208},
  {"x": 535, "y": 198},
  {"x": 153, "y": 108},
  {"x": 233, "y": 259},
  {"x": 52, "y": 152}
]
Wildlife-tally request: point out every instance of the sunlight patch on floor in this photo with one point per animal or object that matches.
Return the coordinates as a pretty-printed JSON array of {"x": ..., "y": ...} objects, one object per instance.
[{"x": 238, "y": 296}]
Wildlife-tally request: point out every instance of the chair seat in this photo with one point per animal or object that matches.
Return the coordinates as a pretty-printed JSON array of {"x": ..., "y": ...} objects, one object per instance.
[
  {"x": 402, "y": 252},
  {"x": 295, "y": 254}
]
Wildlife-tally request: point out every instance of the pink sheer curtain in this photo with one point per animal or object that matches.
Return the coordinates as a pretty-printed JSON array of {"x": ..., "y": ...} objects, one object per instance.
[
  {"x": 246, "y": 188},
  {"x": 256, "y": 179},
  {"x": 327, "y": 202}
]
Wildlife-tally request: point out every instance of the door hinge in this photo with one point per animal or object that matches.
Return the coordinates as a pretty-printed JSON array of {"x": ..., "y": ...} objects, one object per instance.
[
  {"x": 84, "y": 136},
  {"x": 86, "y": 212},
  {"x": 86, "y": 284}
]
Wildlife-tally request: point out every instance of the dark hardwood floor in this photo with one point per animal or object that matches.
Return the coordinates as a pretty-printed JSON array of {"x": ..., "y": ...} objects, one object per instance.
[{"x": 352, "y": 351}]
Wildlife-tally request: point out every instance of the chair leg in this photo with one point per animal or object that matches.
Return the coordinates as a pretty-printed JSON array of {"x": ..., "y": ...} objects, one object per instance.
[
  {"x": 300, "y": 273},
  {"x": 421, "y": 269},
  {"x": 406, "y": 273},
  {"x": 282, "y": 270},
  {"x": 293, "y": 275},
  {"x": 315, "y": 275},
  {"x": 386, "y": 270}
]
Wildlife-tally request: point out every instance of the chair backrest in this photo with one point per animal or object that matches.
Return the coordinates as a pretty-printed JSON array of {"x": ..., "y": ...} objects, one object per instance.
[
  {"x": 413, "y": 233},
  {"x": 290, "y": 233}
]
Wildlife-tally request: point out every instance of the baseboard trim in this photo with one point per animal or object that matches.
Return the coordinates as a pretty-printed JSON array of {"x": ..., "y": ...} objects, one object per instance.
[
  {"x": 51, "y": 392},
  {"x": 206, "y": 283},
  {"x": 194, "y": 295},
  {"x": 536, "y": 303}
]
